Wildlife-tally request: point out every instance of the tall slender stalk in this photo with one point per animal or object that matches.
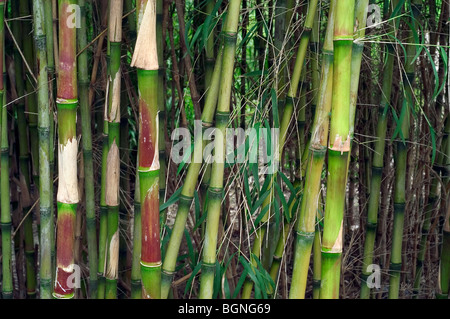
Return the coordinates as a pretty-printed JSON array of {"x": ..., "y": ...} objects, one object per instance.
[
  {"x": 5, "y": 218},
  {"x": 103, "y": 227},
  {"x": 48, "y": 20},
  {"x": 305, "y": 232},
  {"x": 338, "y": 150},
  {"x": 187, "y": 192},
  {"x": 145, "y": 58},
  {"x": 67, "y": 196},
  {"x": 25, "y": 40},
  {"x": 29, "y": 54},
  {"x": 136, "y": 283},
  {"x": 284, "y": 126},
  {"x": 215, "y": 189},
  {"x": 113, "y": 157},
  {"x": 400, "y": 158},
  {"x": 83, "y": 83},
  {"x": 444, "y": 263},
  {"x": 377, "y": 165},
  {"x": 44, "y": 151}
]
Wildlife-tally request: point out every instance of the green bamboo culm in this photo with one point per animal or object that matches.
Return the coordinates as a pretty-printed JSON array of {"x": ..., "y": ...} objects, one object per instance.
[
  {"x": 46, "y": 198},
  {"x": 29, "y": 54},
  {"x": 67, "y": 196},
  {"x": 21, "y": 8},
  {"x": 444, "y": 264},
  {"x": 103, "y": 222},
  {"x": 338, "y": 150},
  {"x": 215, "y": 189},
  {"x": 190, "y": 182},
  {"x": 145, "y": 59},
  {"x": 306, "y": 224},
  {"x": 86, "y": 133},
  {"x": 5, "y": 218},
  {"x": 48, "y": 20},
  {"x": 400, "y": 155},
  {"x": 377, "y": 164},
  {"x": 136, "y": 284},
  {"x": 288, "y": 111},
  {"x": 113, "y": 157}
]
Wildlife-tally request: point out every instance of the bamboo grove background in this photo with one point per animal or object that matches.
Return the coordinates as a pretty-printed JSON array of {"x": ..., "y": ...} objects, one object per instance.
[{"x": 87, "y": 176}]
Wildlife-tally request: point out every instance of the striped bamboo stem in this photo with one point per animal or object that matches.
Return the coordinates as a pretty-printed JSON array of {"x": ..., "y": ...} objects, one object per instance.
[
  {"x": 338, "y": 150},
  {"x": 67, "y": 196},
  {"x": 215, "y": 189}
]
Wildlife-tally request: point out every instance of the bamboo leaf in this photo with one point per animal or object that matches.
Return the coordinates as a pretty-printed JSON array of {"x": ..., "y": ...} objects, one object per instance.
[
  {"x": 172, "y": 200},
  {"x": 191, "y": 278},
  {"x": 207, "y": 26}
]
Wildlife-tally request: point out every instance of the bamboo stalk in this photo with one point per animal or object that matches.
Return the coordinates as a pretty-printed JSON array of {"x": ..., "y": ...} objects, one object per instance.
[
  {"x": 284, "y": 126},
  {"x": 215, "y": 189},
  {"x": 400, "y": 159},
  {"x": 338, "y": 150},
  {"x": 187, "y": 192},
  {"x": 306, "y": 224},
  {"x": 44, "y": 151},
  {"x": 113, "y": 158},
  {"x": 83, "y": 83},
  {"x": 103, "y": 228},
  {"x": 67, "y": 196},
  {"x": 5, "y": 218},
  {"x": 145, "y": 58},
  {"x": 377, "y": 166}
]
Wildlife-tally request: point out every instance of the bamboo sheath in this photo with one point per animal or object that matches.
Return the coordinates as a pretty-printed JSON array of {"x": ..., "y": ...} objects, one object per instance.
[
  {"x": 113, "y": 157},
  {"x": 145, "y": 58}
]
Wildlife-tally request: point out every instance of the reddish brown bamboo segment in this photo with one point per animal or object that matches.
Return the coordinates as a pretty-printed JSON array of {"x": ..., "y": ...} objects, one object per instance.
[
  {"x": 151, "y": 252},
  {"x": 67, "y": 54},
  {"x": 64, "y": 249}
]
